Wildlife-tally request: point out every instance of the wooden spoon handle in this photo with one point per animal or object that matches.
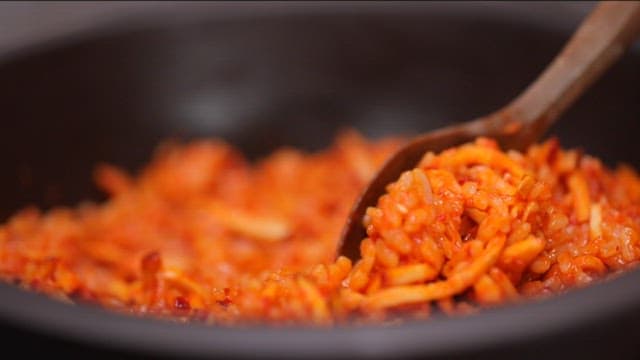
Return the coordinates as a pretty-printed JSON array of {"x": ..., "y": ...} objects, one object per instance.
[{"x": 599, "y": 41}]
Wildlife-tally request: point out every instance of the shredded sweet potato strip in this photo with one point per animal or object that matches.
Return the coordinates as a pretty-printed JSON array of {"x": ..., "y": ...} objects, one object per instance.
[
  {"x": 441, "y": 289},
  {"x": 262, "y": 228}
]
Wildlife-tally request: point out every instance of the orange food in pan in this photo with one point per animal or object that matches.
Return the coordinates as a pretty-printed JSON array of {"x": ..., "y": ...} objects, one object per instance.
[{"x": 200, "y": 234}]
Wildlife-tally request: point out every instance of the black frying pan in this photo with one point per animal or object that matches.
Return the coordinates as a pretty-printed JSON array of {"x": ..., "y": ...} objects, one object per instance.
[{"x": 266, "y": 81}]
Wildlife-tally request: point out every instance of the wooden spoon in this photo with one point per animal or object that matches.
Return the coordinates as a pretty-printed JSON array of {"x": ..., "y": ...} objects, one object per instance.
[{"x": 599, "y": 42}]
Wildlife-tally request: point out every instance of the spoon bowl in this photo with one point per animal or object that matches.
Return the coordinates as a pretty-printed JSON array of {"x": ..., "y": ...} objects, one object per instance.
[{"x": 598, "y": 43}]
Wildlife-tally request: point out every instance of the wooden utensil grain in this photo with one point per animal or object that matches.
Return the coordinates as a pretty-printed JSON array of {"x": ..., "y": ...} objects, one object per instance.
[{"x": 597, "y": 44}]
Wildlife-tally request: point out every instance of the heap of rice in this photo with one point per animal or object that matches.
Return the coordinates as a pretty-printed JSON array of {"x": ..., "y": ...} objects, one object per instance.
[{"x": 201, "y": 234}]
